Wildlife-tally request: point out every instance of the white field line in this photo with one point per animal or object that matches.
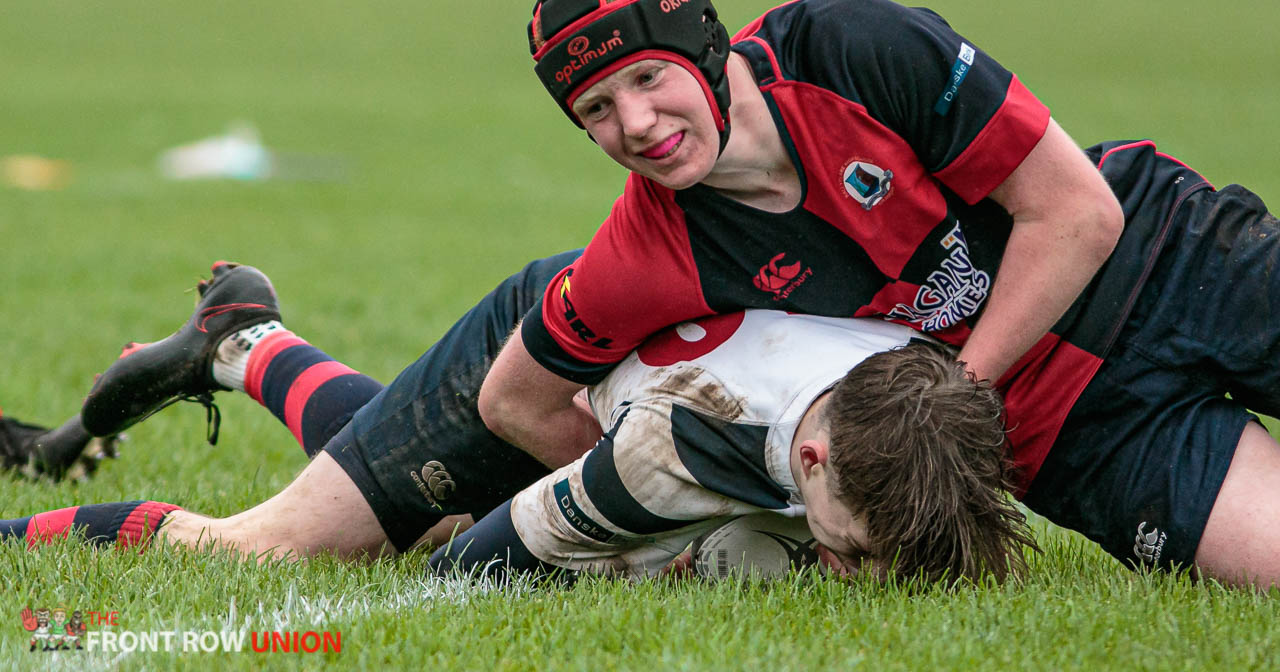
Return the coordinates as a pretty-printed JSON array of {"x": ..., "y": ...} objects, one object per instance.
[{"x": 296, "y": 611}]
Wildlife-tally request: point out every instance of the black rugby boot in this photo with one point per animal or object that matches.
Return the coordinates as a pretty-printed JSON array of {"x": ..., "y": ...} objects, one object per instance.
[
  {"x": 150, "y": 377},
  {"x": 68, "y": 452}
]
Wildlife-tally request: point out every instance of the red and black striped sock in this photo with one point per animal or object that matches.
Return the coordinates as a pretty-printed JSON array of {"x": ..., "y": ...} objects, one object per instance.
[
  {"x": 307, "y": 390},
  {"x": 125, "y": 524}
]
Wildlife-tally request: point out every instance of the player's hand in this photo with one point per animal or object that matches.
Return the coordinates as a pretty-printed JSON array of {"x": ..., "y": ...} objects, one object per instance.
[{"x": 29, "y": 619}]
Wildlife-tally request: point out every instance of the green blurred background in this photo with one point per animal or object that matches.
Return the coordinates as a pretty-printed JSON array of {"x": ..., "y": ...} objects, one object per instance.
[{"x": 458, "y": 169}]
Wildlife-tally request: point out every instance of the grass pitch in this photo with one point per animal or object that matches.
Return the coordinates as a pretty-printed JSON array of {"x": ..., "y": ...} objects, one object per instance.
[{"x": 455, "y": 170}]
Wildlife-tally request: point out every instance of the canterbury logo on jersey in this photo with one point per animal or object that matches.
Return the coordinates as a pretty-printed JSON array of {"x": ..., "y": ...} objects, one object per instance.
[
  {"x": 1149, "y": 545},
  {"x": 435, "y": 484},
  {"x": 950, "y": 293},
  {"x": 780, "y": 278}
]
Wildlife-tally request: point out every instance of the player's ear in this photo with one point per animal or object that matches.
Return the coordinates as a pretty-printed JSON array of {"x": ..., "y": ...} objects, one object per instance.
[{"x": 812, "y": 451}]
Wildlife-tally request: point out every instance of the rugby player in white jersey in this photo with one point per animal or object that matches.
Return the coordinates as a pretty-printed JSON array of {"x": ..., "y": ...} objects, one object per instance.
[
  {"x": 900, "y": 461},
  {"x": 892, "y": 457}
]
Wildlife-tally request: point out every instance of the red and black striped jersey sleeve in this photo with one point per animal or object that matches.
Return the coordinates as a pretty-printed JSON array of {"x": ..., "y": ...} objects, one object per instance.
[
  {"x": 635, "y": 277},
  {"x": 969, "y": 121}
]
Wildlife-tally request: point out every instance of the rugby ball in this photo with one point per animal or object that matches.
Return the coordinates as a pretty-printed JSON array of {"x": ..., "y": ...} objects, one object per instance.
[{"x": 766, "y": 545}]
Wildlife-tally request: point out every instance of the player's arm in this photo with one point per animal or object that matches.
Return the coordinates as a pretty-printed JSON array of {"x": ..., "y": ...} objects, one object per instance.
[
  {"x": 533, "y": 408},
  {"x": 1066, "y": 221},
  {"x": 982, "y": 134},
  {"x": 590, "y": 317},
  {"x": 633, "y": 279}
]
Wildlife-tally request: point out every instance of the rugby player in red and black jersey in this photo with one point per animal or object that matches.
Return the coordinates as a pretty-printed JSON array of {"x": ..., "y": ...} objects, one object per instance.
[{"x": 880, "y": 164}]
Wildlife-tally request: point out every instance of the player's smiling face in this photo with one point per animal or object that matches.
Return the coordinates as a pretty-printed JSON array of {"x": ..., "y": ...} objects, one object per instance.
[{"x": 652, "y": 117}]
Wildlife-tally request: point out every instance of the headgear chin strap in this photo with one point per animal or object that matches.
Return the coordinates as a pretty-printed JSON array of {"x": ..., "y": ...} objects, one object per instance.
[{"x": 576, "y": 43}]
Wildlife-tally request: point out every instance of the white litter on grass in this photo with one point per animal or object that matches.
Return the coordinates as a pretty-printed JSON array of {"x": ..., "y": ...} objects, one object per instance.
[{"x": 237, "y": 154}]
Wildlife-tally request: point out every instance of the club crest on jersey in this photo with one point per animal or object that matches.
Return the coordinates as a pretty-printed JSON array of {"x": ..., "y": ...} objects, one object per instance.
[{"x": 867, "y": 183}]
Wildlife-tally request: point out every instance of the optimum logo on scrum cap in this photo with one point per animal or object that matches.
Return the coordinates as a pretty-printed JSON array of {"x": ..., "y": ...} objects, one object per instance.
[{"x": 576, "y": 43}]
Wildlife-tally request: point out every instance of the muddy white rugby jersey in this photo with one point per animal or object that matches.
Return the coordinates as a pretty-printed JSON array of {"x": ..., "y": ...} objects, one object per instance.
[{"x": 700, "y": 421}]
